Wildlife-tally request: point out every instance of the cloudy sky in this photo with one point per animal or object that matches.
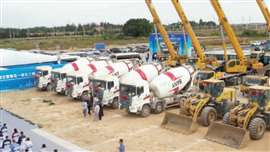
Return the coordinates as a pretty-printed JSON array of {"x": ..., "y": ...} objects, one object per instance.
[{"x": 30, "y": 13}]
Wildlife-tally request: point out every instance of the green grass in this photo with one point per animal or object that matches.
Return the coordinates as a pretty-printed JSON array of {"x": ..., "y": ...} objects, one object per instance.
[{"x": 51, "y": 43}]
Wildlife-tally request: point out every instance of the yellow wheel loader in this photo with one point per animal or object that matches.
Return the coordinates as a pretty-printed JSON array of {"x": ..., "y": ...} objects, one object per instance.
[
  {"x": 251, "y": 80},
  {"x": 251, "y": 118},
  {"x": 211, "y": 102}
]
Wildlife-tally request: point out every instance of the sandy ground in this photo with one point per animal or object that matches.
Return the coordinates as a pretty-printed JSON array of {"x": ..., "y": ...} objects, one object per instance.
[{"x": 64, "y": 119}]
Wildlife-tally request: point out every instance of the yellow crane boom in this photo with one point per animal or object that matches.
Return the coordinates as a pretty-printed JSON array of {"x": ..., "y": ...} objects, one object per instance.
[
  {"x": 242, "y": 67},
  {"x": 188, "y": 28},
  {"x": 174, "y": 58},
  {"x": 265, "y": 12}
]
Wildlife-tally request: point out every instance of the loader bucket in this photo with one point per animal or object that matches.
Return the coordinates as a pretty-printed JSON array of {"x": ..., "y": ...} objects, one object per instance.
[
  {"x": 227, "y": 135},
  {"x": 179, "y": 123}
]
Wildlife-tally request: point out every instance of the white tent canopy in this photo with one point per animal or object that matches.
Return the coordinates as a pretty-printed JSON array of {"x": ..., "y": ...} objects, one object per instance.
[{"x": 11, "y": 58}]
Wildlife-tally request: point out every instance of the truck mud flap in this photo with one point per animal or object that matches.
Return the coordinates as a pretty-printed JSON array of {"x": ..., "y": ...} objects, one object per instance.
[
  {"x": 228, "y": 135},
  {"x": 179, "y": 123}
]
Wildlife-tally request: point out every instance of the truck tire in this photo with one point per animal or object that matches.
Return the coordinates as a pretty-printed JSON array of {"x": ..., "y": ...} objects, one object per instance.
[
  {"x": 159, "y": 107},
  {"x": 257, "y": 128},
  {"x": 115, "y": 103},
  {"x": 208, "y": 115},
  {"x": 226, "y": 118},
  {"x": 146, "y": 111}
]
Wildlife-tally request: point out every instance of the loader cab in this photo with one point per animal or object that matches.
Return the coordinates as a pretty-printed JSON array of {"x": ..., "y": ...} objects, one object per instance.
[
  {"x": 259, "y": 95},
  {"x": 212, "y": 87},
  {"x": 235, "y": 66}
]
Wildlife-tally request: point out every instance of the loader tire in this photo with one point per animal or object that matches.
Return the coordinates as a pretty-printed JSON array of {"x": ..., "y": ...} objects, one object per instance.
[
  {"x": 226, "y": 118},
  {"x": 257, "y": 128},
  {"x": 159, "y": 108},
  {"x": 146, "y": 111},
  {"x": 208, "y": 115}
]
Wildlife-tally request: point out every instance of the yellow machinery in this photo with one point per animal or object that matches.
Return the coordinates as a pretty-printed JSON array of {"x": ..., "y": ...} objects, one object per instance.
[
  {"x": 173, "y": 58},
  {"x": 252, "y": 80},
  {"x": 253, "y": 116},
  {"x": 211, "y": 102},
  {"x": 234, "y": 66},
  {"x": 202, "y": 60},
  {"x": 265, "y": 12}
]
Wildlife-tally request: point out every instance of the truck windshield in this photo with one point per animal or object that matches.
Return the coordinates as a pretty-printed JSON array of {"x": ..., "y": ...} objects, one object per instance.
[
  {"x": 63, "y": 76},
  {"x": 71, "y": 79},
  {"x": 127, "y": 90},
  {"x": 42, "y": 73},
  {"x": 99, "y": 83},
  {"x": 259, "y": 97},
  {"x": 79, "y": 80},
  {"x": 55, "y": 75}
]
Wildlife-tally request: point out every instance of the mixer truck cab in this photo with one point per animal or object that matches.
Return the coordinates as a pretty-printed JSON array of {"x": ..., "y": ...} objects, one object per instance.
[
  {"x": 135, "y": 96},
  {"x": 107, "y": 87},
  {"x": 77, "y": 85},
  {"x": 43, "y": 76},
  {"x": 61, "y": 82}
]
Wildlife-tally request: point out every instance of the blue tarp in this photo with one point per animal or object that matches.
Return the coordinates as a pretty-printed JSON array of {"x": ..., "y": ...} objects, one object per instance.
[
  {"x": 181, "y": 41},
  {"x": 21, "y": 77}
]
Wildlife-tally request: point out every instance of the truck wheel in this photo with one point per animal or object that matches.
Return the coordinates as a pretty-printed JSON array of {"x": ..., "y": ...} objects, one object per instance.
[
  {"x": 257, "y": 128},
  {"x": 159, "y": 107},
  {"x": 208, "y": 115},
  {"x": 115, "y": 103},
  {"x": 146, "y": 110},
  {"x": 226, "y": 118},
  {"x": 49, "y": 87}
]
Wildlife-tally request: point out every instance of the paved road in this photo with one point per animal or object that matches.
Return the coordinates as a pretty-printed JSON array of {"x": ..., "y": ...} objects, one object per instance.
[{"x": 37, "y": 135}]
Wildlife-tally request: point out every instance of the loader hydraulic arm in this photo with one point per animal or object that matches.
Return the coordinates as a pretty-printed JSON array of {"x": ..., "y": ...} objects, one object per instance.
[
  {"x": 229, "y": 30},
  {"x": 173, "y": 53},
  {"x": 265, "y": 12},
  {"x": 188, "y": 28}
]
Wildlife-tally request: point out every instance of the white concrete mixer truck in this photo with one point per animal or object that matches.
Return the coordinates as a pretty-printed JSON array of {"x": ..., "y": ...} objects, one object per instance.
[
  {"x": 142, "y": 96},
  {"x": 43, "y": 77},
  {"x": 107, "y": 86},
  {"x": 78, "y": 82},
  {"x": 61, "y": 74}
]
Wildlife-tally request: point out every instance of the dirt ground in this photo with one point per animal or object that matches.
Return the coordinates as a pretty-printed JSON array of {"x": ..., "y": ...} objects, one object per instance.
[{"x": 64, "y": 119}]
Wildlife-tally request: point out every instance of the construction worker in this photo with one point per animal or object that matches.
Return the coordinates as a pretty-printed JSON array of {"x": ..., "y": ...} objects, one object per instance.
[{"x": 101, "y": 114}]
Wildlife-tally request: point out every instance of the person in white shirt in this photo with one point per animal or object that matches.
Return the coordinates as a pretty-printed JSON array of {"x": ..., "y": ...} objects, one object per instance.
[
  {"x": 85, "y": 108},
  {"x": 28, "y": 145},
  {"x": 43, "y": 148},
  {"x": 96, "y": 112}
]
